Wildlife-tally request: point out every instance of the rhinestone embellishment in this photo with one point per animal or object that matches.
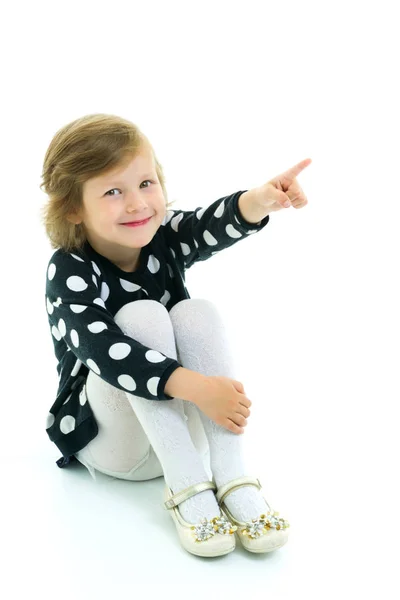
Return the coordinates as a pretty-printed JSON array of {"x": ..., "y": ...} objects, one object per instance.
[
  {"x": 224, "y": 526},
  {"x": 206, "y": 529},
  {"x": 260, "y": 526}
]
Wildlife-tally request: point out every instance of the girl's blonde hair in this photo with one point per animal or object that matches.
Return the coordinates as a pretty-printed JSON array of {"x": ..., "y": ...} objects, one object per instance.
[{"x": 85, "y": 148}]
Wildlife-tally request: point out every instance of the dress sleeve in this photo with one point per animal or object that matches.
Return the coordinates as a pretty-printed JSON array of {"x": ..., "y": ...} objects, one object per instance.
[
  {"x": 79, "y": 318},
  {"x": 195, "y": 235}
]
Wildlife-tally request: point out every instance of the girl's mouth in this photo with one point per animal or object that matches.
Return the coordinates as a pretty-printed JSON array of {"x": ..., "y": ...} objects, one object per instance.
[{"x": 137, "y": 223}]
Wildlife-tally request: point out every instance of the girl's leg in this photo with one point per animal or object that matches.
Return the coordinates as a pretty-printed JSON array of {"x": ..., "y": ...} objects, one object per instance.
[
  {"x": 134, "y": 430},
  {"x": 203, "y": 346},
  {"x": 122, "y": 449}
]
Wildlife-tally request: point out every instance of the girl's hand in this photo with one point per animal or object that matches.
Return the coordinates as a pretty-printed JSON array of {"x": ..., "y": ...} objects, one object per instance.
[
  {"x": 281, "y": 189},
  {"x": 223, "y": 400}
]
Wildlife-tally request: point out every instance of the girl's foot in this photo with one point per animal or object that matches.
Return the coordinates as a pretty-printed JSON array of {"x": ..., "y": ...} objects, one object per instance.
[
  {"x": 203, "y": 504},
  {"x": 246, "y": 503}
]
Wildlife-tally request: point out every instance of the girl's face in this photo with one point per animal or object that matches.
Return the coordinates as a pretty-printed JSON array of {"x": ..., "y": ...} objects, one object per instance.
[{"x": 132, "y": 193}]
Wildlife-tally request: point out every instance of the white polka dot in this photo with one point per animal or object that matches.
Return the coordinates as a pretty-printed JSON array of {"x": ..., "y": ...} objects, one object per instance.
[
  {"x": 92, "y": 365},
  {"x": 97, "y": 326},
  {"x": 129, "y": 286},
  {"x": 173, "y": 252},
  {"x": 165, "y": 298},
  {"x": 185, "y": 249},
  {"x": 61, "y": 327},
  {"x": 95, "y": 280},
  {"x": 153, "y": 264},
  {"x": 209, "y": 238},
  {"x": 119, "y": 350},
  {"x": 105, "y": 291},
  {"x": 77, "y": 257},
  {"x": 51, "y": 271},
  {"x": 77, "y": 308},
  {"x": 154, "y": 356},
  {"x": 127, "y": 382},
  {"x": 67, "y": 424},
  {"x": 76, "y": 368},
  {"x": 50, "y": 307},
  {"x": 67, "y": 399},
  {"x": 96, "y": 268},
  {"x": 56, "y": 333},
  {"x": 152, "y": 385},
  {"x": 57, "y": 302},
  {"x": 201, "y": 212},
  {"x": 82, "y": 397},
  {"x": 99, "y": 301},
  {"x": 232, "y": 232},
  {"x": 50, "y": 420},
  {"x": 220, "y": 210},
  {"x": 176, "y": 220},
  {"x": 76, "y": 284},
  {"x": 74, "y": 338}
]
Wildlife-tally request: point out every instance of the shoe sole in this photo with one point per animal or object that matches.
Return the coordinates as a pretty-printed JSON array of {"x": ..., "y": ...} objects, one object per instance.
[{"x": 262, "y": 550}]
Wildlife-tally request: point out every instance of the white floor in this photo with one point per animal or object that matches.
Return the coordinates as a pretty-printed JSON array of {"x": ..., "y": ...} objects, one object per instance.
[{"x": 66, "y": 536}]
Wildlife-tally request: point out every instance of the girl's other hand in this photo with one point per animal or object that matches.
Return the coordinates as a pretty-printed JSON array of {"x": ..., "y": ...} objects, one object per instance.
[{"x": 223, "y": 400}]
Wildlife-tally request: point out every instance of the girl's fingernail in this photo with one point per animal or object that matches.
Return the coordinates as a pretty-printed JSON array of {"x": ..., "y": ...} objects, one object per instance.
[{"x": 287, "y": 203}]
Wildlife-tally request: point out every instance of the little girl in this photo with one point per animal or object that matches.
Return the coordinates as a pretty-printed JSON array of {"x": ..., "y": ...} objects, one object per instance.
[{"x": 146, "y": 380}]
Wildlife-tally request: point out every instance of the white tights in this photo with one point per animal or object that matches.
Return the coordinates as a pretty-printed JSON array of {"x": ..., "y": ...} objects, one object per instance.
[{"x": 143, "y": 439}]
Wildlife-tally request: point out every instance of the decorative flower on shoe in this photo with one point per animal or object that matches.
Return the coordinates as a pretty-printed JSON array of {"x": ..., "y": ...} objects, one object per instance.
[
  {"x": 260, "y": 526},
  {"x": 203, "y": 530},
  {"x": 206, "y": 529},
  {"x": 224, "y": 526}
]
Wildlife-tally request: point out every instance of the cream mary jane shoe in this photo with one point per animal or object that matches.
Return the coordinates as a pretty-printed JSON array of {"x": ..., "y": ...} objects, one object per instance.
[
  {"x": 264, "y": 534},
  {"x": 213, "y": 537}
]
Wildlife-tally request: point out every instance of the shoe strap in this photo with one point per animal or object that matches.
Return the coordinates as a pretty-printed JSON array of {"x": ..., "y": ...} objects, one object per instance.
[
  {"x": 235, "y": 484},
  {"x": 189, "y": 492}
]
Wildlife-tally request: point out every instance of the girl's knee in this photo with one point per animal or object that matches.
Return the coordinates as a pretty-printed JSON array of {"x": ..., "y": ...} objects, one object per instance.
[
  {"x": 193, "y": 304},
  {"x": 141, "y": 309},
  {"x": 199, "y": 313},
  {"x": 148, "y": 322}
]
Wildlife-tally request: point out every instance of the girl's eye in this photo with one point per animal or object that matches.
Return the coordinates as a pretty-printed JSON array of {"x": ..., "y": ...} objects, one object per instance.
[{"x": 108, "y": 193}]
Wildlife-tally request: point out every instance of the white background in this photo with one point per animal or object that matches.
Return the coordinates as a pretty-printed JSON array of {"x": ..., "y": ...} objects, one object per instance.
[{"x": 230, "y": 94}]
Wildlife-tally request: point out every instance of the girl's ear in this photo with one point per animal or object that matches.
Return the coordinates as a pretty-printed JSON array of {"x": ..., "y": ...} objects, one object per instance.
[{"x": 74, "y": 218}]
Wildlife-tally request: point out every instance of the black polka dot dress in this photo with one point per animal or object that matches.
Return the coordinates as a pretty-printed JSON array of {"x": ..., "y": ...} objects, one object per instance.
[{"x": 83, "y": 292}]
